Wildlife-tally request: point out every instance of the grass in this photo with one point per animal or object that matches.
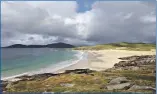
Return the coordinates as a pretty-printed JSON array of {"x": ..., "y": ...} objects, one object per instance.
[
  {"x": 82, "y": 82},
  {"x": 122, "y": 45},
  {"x": 138, "y": 77},
  {"x": 93, "y": 82}
]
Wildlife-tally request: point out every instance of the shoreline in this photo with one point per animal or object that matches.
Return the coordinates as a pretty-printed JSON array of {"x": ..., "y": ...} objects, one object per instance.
[
  {"x": 95, "y": 60},
  {"x": 124, "y": 76},
  {"x": 73, "y": 65}
]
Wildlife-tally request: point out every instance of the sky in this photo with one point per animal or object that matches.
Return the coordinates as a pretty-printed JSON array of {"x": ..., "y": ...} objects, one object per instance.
[{"x": 78, "y": 23}]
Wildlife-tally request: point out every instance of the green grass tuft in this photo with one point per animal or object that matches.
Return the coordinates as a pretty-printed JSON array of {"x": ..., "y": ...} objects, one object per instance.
[{"x": 121, "y": 45}]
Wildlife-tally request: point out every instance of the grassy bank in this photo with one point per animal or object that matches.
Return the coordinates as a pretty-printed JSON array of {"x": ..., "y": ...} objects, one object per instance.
[
  {"x": 138, "y": 71},
  {"x": 93, "y": 82},
  {"x": 122, "y": 45}
]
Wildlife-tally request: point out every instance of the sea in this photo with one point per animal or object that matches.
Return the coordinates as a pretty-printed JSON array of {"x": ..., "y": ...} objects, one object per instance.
[{"x": 28, "y": 61}]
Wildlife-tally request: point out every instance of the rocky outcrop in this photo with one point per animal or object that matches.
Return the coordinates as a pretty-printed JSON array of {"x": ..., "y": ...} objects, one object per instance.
[
  {"x": 137, "y": 87},
  {"x": 36, "y": 76},
  {"x": 79, "y": 71},
  {"x": 118, "y": 86},
  {"x": 135, "y": 62},
  {"x": 131, "y": 58},
  {"x": 119, "y": 80},
  {"x": 121, "y": 83},
  {"x": 40, "y": 77},
  {"x": 4, "y": 85},
  {"x": 118, "y": 83},
  {"x": 47, "y": 75},
  {"x": 67, "y": 85},
  {"x": 132, "y": 63}
]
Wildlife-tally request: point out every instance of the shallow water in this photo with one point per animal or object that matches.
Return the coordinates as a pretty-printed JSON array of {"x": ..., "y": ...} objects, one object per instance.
[{"x": 16, "y": 61}]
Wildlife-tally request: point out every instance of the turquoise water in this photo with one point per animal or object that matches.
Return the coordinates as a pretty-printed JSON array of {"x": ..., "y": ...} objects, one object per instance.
[{"x": 16, "y": 61}]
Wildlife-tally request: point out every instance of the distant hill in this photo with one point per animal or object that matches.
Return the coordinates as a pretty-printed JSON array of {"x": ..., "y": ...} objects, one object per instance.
[
  {"x": 54, "y": 45},
  {"x": 121, "y": 45}
]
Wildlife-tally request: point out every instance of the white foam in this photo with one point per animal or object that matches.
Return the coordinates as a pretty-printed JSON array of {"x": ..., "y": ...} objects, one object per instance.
[{"x": 11, "y": 77}]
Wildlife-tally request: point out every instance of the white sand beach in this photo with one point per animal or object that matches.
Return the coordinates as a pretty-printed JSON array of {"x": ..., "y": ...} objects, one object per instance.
[
  {"x": 104, "y": 59},
  {"x": 107, "y": 58}
]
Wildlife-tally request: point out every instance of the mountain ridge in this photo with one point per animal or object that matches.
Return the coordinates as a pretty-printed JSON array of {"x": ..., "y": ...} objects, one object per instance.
[{"x": 53, "y": 45}]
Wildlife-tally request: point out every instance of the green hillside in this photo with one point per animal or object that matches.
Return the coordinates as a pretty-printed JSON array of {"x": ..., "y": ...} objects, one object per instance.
[{"x": 122, "y": 45}]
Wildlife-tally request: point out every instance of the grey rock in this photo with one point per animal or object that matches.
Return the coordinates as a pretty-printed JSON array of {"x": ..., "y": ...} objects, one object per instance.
[
  {"x": 118, "y": 80},
  {"x": 67, "y": 85},
  {"x": 136, "y": 61},
  {"x": 36, "y": 76},
  {"x": 4, "y": 83},
  {"x": 79, "y": 71},
  {"x": 137, "y": 87},
  {"x": 9, "y": 85},
  {"x": 118, "y": 86},
  {"x": 135, "y": 68}
]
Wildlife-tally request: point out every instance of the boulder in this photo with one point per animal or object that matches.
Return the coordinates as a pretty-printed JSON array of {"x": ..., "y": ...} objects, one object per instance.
[
  {"x": 118, "y": 86},
  {"x": 3, "y": 85},
  {"x": 135, "y": 68},
  {"x": 67, "y": 85},
  {"x": 79, "y": 71},
  {"x": 129, "y": 58},
  {"x": 135, "y": 61},
  {"x": 9, "y": 85},
  {"x": 118, "y": 80},
  {"x": 137, "y": 87}
]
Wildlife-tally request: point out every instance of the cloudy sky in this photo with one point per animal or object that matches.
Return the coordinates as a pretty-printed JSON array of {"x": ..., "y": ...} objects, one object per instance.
[{"x": 77, "y": 23}]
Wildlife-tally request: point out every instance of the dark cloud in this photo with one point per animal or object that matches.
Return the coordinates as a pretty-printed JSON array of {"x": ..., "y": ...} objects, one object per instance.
[{"x": 122, "y": 21}]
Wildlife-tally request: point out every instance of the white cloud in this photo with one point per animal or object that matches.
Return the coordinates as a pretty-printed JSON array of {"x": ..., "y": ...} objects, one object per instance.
[
  {"x": 149, "y": 19},
  {"x": 53, "y": 21}
]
